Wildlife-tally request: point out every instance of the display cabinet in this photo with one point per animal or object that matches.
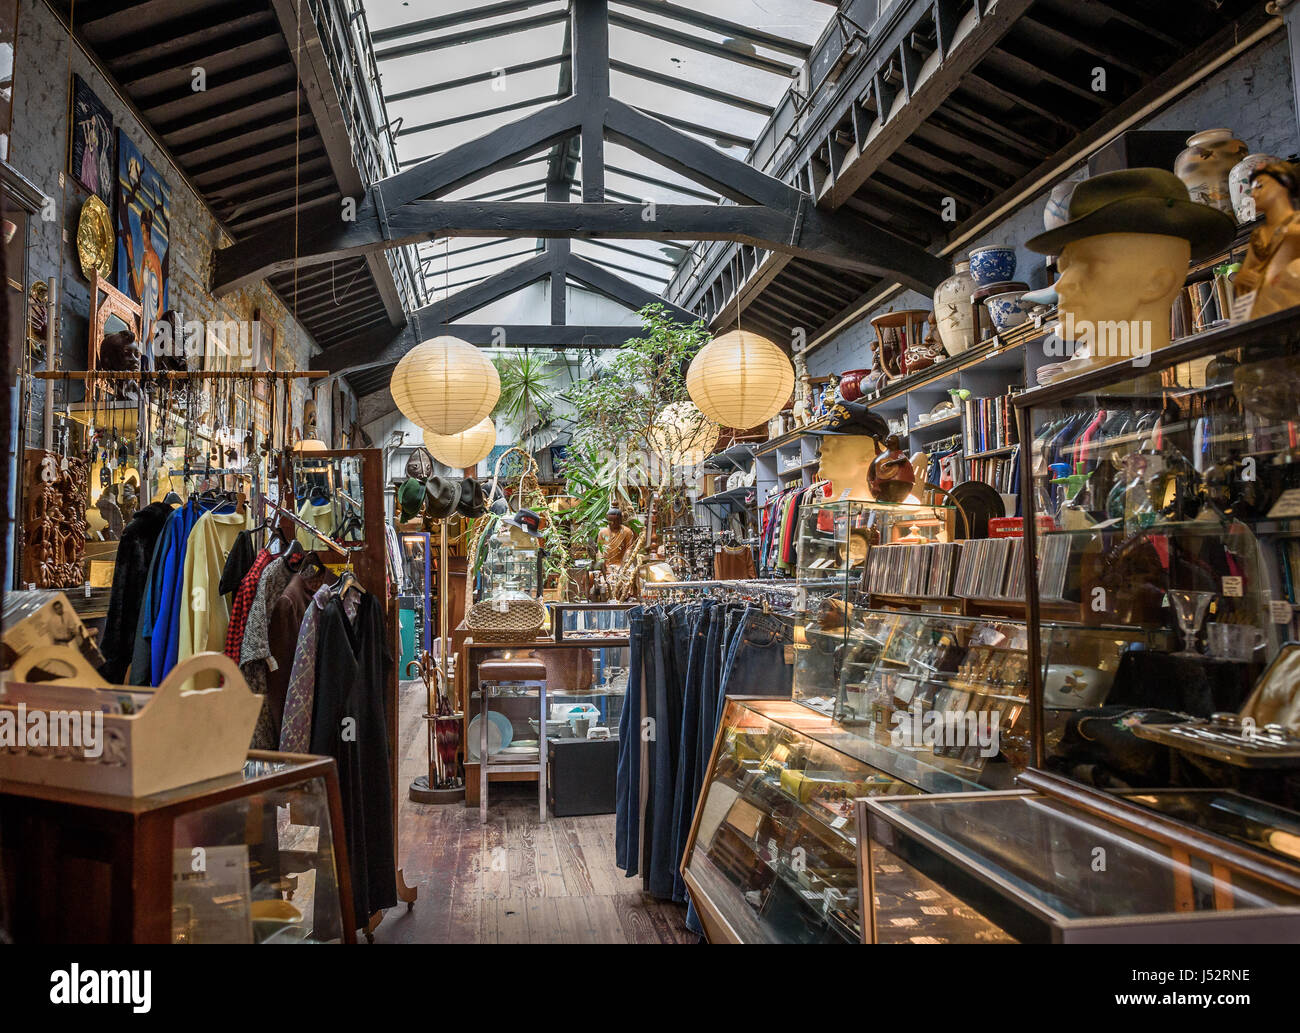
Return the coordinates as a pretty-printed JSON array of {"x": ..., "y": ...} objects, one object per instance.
[
  {"x": 772, "y": 852},
  {"x": 256, "y": 857},
  {"x": 1027, "y": 867},
  {"x": 834, "y": 538},
  {"x": 589, "y": 622},
  {"x": 1166, "y": 507}
]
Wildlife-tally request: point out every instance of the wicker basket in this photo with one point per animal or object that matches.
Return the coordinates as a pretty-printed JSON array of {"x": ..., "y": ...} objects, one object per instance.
[{"x": 506, "y": 620}]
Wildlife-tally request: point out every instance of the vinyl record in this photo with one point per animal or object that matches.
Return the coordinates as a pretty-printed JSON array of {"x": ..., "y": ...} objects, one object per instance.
[{"x": 979, "y": 503}]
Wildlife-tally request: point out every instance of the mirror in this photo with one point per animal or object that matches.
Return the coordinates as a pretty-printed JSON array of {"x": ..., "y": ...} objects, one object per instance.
[{"x": 328, "y": 495}]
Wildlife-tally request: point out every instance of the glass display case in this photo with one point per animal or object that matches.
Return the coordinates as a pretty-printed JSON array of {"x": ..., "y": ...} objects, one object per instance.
[
  {"x": 589, "y": 622},
  {"x": 255, "y": 857},
  {"x": 1028, "y": 867},
  {"x": 1166, "y": 506},
  {"x": 772, "y": 853},
  {"x": 835, "y": 538},
  {"x": 512, "y": 562}
]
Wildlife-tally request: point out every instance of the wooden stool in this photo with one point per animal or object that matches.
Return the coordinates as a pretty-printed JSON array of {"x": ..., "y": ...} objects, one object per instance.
[{"x": 530, "y": 673}]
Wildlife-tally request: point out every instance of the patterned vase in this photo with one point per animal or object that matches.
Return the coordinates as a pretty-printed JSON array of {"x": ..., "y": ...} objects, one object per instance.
[
  {"x": 953, "y": 311},
  {"x": 993, "y": 263},
  {"x": 1206, "y": 164},
  {"x": 1243, "y": 201}
]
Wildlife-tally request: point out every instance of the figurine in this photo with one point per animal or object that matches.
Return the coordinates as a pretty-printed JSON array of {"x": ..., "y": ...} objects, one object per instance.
[
  {"x": 1271, "y": 269},
  {"x": 803, "y": 400}
]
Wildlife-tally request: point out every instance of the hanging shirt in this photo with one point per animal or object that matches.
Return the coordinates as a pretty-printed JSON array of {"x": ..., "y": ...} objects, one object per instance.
[
  {"x": 203, "y": 622},
  {"x": 243, "y": 603},
  {"x": 168, "y": 588}
]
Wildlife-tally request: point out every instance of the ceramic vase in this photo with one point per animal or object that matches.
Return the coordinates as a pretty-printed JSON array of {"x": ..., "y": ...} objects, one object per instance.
[
  {"x": 1008, "y": 310},
  {"x": 851, "y": 384},
  {"x": 953, "y": 311},
  {"x": 993, "y": 263},
  {"x": 1243, "y": 201},
  {"x": 1206, "y": 164}
]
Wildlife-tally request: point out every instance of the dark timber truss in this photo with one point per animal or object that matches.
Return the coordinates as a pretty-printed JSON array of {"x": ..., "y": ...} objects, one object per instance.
[{"x": 402, "y": 209}]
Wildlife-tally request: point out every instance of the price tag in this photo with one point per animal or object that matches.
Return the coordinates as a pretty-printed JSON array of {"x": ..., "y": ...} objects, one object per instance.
[
  {"x": 839, "y": 822},
  {"x": 1241, "y": 306},
  {"x": 1287, "y": 505},
  {"x": 86, "y": 589},
  {"x": 1233, "y": 587},
  {"x": 1279, "y": 611},
  {"x": 789, "y": 655}
]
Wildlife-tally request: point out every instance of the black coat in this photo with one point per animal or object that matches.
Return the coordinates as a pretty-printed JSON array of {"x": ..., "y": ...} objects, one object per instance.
[
  {"x": 130, "y": 574},
  {"x": 350, "y": 724}
]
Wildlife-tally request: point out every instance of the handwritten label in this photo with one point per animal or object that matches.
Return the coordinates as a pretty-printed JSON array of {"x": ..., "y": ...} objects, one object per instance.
[
  {"x": 1279, "y": 611},
  {"x": 1233, "y": 587}
]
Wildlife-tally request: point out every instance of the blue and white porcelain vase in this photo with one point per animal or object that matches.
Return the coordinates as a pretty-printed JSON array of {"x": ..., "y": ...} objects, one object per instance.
[{"x": 993, "y": 263}]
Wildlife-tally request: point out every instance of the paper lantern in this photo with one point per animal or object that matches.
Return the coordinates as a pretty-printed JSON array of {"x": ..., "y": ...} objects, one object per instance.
[
  {"x": 445, "y": 385},
  {"x": 463, "y": 450},
  {"x": 682, "y": 436},
  {"x": 740, "y": 379}
]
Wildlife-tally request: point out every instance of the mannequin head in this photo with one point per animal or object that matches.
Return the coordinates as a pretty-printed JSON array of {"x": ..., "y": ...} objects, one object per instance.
[
  {"x": 1117, "y": 291},
  {"x": 845, "y": 460}
]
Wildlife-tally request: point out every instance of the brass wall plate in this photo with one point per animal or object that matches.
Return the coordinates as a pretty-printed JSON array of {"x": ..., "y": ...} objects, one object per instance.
[{"x": 95, "y": 239}]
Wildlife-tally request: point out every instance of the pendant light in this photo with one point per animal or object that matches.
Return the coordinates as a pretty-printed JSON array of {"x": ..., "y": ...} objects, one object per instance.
[
  {"x": 463, "y": 450},
  {"x": 740, "y": 379},
  {"x": 445, "y": 385},
  {"x": 682, "y": 435}
]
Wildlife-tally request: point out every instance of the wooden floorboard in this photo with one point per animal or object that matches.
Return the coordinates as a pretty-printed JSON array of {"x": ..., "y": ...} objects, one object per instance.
[{"x": 516, "y": 879}]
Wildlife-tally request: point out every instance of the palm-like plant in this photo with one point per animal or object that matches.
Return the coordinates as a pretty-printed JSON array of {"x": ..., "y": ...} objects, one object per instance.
[{"x": 528, "y": 398}]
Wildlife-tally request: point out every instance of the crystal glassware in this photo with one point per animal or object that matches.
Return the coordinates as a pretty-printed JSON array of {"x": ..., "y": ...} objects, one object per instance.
[{"x": 1190, "y": 609}]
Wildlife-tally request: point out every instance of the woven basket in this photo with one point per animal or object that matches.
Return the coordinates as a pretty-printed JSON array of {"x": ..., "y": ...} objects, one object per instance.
[{"x": 506, "y": 620}]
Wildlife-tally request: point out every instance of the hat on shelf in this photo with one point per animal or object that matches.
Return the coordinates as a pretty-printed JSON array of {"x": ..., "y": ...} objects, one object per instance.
[
  {"x": 410, "y": 497},
  {"x": 473, "y": 498},
  {"x": 441, "y": 496},
  {"x": 1138, "y": 201},
  {"x": 527, "y": 521},
  {"x": 855, "y": 418}
]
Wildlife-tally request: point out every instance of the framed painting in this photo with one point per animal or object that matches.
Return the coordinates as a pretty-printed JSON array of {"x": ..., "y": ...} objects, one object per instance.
[
  {"x": 93, "y": 159},
  {"x": 143, "y": 229}
]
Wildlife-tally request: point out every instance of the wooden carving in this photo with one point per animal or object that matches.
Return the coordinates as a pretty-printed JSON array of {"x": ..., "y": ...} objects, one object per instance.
[{"x": 54, "y": 520}]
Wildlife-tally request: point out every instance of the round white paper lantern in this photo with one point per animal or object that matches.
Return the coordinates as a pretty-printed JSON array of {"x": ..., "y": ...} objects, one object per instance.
[
  {"x": 740, "y": 379},
  {"x": 445, "y": 385},
  {"x": 682, "y": 435},
  {"x": 463, "y": 450}
]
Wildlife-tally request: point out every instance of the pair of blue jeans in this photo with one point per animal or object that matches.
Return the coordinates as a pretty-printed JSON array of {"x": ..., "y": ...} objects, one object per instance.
[
  {"x": 627, "y": 784},
  {"x": 756, "y": 664}
]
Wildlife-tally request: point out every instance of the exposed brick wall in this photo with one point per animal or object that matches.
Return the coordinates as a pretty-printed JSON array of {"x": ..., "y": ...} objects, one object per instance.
[{"x": 38, "y": 149}]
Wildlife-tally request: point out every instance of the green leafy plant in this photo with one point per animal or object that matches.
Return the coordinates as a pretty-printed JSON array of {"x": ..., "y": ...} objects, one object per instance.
[
  {"x": 528, "y": 398},
  {"x": 619, "y": 409}
]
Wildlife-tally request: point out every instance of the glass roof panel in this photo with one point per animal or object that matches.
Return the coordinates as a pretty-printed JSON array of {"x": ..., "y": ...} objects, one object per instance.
[{"x": 712, "y": 68}]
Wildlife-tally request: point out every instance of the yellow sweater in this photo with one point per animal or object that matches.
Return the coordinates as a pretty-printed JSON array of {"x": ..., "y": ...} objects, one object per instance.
[{"x": 205, "y": 613}]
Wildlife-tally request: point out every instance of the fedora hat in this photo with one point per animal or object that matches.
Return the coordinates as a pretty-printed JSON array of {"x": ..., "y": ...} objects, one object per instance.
[
  {"x": 440, "y": 497},
  {"x": 410, "y": 497},
  {"x": 1138, "y": 201},
  {"x": 472, "y": 501}
]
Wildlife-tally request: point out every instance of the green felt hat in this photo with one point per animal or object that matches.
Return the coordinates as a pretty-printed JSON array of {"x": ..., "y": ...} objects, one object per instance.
[
  {"x": 1138, "y": 201},
  {"x": 410, "y": 497}
]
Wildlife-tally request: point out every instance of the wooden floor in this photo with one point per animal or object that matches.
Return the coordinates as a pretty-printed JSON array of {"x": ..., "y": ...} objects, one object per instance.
[{"x": 515, "y": 879}]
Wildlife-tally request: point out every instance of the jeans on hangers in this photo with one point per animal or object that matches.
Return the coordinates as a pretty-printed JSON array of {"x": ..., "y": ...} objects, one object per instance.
[
  {"x": 689, "y": 764},
  {"x": 627, "y": 791},
  {"x": 756, "y": 663},
  {"x": 669, "y": 675}
]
